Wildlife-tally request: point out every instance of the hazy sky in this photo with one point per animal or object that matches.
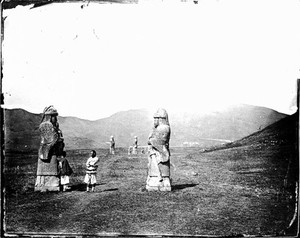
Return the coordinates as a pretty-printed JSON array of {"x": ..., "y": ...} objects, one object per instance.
[{"x": 93, "y": 61}]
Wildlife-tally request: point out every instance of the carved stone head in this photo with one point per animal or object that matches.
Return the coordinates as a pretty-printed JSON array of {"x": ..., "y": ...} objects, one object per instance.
[
  {"x": 50, "y": 111},
  {"x": 161, "y": 117}
]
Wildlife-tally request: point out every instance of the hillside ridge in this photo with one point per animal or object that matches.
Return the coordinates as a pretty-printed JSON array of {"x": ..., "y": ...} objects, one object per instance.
[
  {"x": 284, "y": 132},
  {"x": 188, "y": 129}
]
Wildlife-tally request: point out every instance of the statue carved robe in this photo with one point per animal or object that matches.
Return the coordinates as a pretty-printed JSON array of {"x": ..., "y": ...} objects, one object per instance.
[
  {"x": 159, "y": 156},
  {"x": 51, "y": 146}
]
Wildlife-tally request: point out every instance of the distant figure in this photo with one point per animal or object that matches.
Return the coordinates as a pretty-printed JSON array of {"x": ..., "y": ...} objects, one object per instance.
[
  {"x": 159, "y": 153},
  {"x": 129, "y": 150},
  {"x": 64, "y": 171},
  {"x": 51, "y": 147},
  {"x": 91, "y": 171},
  {"x": 112, "y": 145},
  {"x": 135, "y": 146}
]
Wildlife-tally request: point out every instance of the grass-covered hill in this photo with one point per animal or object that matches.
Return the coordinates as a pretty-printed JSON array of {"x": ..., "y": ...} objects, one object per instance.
[
  {"x": 278, "y": 141},
  {"x": 282, "y": 133},
  {"x": 21, "y": 127}
]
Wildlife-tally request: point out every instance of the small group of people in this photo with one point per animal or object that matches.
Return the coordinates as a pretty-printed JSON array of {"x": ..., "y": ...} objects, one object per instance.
[{"x": 65, "y": 171}]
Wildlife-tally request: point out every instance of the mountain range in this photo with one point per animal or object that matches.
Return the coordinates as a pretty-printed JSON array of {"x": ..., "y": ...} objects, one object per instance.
[{"x": 187, "y": 129}]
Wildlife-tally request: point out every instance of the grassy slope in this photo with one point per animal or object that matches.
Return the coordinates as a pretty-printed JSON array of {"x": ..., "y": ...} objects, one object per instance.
[
  {"x": 237, "y": 189},
  {"x": 225, "y": 192}
]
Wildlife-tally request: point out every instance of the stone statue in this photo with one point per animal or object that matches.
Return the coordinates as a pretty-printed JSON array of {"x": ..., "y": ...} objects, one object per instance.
[
  {"x": 129, "y": 150},
  {"x": 51, "y": 147},
  {"x": 159, "y": 153},
  {"x": 135, "y": 146},
  {"x": 112, "y": 145}
]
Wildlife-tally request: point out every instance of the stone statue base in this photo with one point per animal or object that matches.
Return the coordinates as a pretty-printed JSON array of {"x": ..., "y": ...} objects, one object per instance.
[
  {"x": 153, "y": 184},
  {"x": 46, "y": 183},
  {"x": 134, "y": 151}
]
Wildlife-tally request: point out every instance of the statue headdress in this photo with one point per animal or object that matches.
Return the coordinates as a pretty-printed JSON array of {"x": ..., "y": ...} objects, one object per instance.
[
  {"x": 49, "y": 111},
  {"x": 162, "y": 113}
]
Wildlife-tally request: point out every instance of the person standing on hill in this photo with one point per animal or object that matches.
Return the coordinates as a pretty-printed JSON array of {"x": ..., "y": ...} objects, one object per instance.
[
  {"x": 64, "y": 171},
  {"x": 91, "y": 171}
]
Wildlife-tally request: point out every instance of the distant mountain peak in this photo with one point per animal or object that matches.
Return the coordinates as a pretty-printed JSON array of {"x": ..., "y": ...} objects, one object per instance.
[{"x": 187, "y": 128}]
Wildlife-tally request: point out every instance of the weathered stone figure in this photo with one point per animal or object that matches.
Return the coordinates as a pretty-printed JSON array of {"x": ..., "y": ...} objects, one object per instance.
[
  {"x": 159, "y": 153},
  {"x": 129, "y": 150},
  {"x": 135, "y": 146},
  {"x": 51, "y": 146},
  {"x": 112, "y": 145}
]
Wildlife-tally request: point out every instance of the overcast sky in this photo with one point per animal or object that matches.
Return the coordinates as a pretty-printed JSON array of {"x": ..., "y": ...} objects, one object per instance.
[{"x": 93, "y": 61}]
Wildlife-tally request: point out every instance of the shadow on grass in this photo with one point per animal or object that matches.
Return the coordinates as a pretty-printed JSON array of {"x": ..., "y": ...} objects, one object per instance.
[
  {"x": 81, "y": 186},
  {"x": 183, "y": 186},
  {"x": 110, "y": 189}
]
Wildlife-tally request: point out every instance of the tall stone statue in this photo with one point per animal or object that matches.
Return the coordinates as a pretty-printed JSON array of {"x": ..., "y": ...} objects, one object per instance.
[
  {"x": 135, "y": 146},
  {"x": 159, "y": 153},
  {"x": 51, "y": 146},
  {"x": 112, "y": 145}
]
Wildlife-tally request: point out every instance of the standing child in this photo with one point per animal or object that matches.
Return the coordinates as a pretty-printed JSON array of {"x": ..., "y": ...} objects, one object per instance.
[
  {"x": 91, "y": 171},
  {"x": 64, "y": 171}
]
